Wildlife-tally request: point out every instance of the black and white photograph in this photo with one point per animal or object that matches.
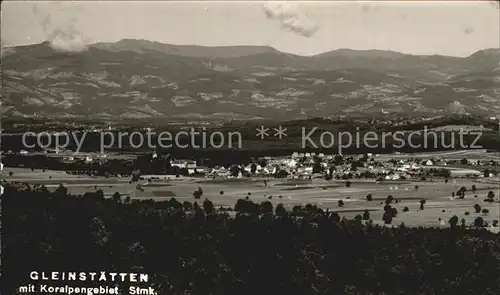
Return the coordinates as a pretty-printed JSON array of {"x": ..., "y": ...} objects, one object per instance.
[{"x": 250, "y": 147}]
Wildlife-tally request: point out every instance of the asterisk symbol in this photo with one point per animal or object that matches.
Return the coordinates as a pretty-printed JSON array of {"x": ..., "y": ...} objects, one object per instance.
[
  {"x": 280, "y": 132},
  {"x": 262, "y": 132}
]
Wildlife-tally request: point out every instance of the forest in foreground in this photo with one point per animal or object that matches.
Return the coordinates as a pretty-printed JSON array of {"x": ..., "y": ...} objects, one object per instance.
[{"x": 191, "y": 248}]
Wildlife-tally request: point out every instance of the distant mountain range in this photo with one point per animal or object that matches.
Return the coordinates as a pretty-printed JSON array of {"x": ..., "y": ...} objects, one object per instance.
[{"x": 144, "y": 79}]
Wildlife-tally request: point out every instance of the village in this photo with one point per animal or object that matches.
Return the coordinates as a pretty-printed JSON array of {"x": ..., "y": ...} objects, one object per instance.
[
  {"x": 455, "y": 164},
  {"x": 345, "y": 183}
]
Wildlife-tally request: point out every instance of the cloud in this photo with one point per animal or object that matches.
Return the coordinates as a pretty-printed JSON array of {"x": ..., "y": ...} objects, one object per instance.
[
  {"x": 291, "y": 18},
  {"x": 63, "y": 36},
  {"x": 67, "y": 40}
]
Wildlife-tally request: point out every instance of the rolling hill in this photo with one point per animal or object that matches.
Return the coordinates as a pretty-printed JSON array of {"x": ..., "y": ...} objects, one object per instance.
[{"x": 144, "y": 79}]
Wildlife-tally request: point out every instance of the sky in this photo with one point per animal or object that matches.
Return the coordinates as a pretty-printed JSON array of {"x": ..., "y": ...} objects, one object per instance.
[{"x": 304, "y": 28}]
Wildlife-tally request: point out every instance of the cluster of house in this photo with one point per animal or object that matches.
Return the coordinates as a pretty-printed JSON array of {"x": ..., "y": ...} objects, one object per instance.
[
  {"x": 86, "y": 157},
  {"x": 305, "y": 165},
  {"x": 308, "y": 165}
]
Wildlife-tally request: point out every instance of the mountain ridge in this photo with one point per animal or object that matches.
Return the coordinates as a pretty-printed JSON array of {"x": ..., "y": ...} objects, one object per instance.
[
  {"x": 339, "y": 51},
  {"x": 144, "y": 79}
]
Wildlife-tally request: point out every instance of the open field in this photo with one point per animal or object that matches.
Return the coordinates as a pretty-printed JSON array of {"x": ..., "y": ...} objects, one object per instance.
[
  {"x": 325, "y": 194},
  {"x": 473, "y": 154}
]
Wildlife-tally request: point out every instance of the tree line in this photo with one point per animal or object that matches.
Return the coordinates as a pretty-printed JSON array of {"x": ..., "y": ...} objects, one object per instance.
[{"x": 192, "y": 248}]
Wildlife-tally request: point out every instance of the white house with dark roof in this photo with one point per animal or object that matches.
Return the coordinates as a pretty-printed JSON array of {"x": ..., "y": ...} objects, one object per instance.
[{"x": 190, "y": 164}]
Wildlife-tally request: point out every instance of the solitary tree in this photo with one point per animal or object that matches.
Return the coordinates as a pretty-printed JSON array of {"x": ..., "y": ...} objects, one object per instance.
[
  {"x": 198, "y": 193},
  {"x": 341, "y": 203},
  {"x": 461, "y": 192},
  {"x": 387, "y": 217},
  {"x": 366, "y": 215},
  {"x": 117, "y": 197},
  {"x": 453, "y": 221},
  {"x": 348, "y": 184},
  {"x": 208, "y": 206},
  {"x": 491, "y": 195},
  {"x": 485, "y": 211},
  {"x": 369, "y": 197},
  {"x": 479, "y": 222},
  {"x": 422, "y": 202},
  {"x": 477, "y": 208}
]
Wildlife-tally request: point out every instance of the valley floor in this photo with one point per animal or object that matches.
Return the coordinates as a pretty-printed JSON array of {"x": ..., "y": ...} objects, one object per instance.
[{"x": 290, "y": 192}]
